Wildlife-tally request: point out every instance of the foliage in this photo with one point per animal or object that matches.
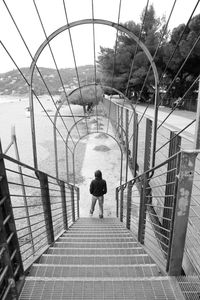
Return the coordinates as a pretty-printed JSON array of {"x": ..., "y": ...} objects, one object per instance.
[
  {"x": 173, "y": 58},
  {"x": 86, "y": 95},
  {"x": 116, "y": 69},
  {"x": 185, "y": 58}
]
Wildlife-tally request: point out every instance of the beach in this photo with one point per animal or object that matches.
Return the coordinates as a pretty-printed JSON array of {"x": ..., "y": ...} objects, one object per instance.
[{"x": 13, "y": 112}]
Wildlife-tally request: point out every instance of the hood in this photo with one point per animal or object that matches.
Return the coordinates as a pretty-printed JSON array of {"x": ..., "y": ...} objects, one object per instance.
[{"x": 98, "y": 174}]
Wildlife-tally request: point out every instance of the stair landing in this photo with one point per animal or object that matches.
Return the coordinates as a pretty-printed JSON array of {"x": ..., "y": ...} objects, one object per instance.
[{"x": 98, "y": 259}]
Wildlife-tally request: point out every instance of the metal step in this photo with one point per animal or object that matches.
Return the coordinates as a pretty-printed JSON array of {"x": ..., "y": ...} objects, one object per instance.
[
  {"x": 96, "y": 245},
  {"x": 96, "y": 251},
  {"x": 94, "y": 271},
  {"x": 100, "y": 234},
  {"x": 98, "y": 229},
  {"x": 127, "y": 289},
  {"x": 95, "y": 260},
  {"x": 95, "y": 239}
]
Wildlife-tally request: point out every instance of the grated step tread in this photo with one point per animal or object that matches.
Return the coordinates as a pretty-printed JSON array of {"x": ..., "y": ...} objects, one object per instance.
[
  {"x": 160, "y": 288},
  {"x": 96, "y": 251},
  {"x": 95, "y": 260},
  {"x": 97, "y": 239},
  {"x": 96, "y": 245},
  {"x": 94, "y": 271}
]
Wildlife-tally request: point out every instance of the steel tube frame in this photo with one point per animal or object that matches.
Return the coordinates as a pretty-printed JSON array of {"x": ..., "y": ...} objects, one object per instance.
[
  {"x": 118, "y": 27},
  {"x": 75, "y": 124},
  {"x": 121, "y": 165}
]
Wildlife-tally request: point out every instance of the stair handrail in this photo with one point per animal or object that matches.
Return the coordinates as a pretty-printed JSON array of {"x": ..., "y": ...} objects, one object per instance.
[
  {"x": 53, "y": 206},
  {"x": 143, "y": 206}
]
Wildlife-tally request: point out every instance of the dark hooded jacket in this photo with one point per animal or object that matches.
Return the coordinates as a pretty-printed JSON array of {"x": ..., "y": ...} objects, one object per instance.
[{"x": 98, "y": 185}]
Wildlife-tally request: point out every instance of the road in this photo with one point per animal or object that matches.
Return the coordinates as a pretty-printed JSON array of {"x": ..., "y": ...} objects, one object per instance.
[{"x": 177, "y": 121}]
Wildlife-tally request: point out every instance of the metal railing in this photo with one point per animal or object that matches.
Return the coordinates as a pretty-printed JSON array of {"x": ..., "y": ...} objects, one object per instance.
[
  {"x": 155, "y": 206},
  {"x": 169, "y": 142},
  {"x": 34, "y": 212}
]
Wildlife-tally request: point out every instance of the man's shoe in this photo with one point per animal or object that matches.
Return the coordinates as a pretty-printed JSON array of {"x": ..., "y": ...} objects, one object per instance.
[
  {"x": 100, "y": 217},
  {"x": 91, "y": 214}
]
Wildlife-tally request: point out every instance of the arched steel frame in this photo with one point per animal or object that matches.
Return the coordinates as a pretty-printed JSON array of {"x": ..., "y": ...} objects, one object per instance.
[
  {"x": 84, "y": 22},
  {"x": 55, "y": 120},
  {"x": 56, "y": 159},
  {"x": 73, "y": 153}
]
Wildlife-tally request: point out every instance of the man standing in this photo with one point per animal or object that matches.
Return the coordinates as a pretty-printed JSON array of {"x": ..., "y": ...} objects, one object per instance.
[{"x": 98, "y": 188}]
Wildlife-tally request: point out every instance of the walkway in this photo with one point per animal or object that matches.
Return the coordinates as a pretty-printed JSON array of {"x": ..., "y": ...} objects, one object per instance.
[
  {"x": 102, "y": 152},
  {"x": 98, "y": 259}
]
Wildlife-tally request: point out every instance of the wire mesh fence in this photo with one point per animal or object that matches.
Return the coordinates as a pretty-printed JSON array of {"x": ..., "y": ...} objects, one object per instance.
[{"x": 42, "y": 209}]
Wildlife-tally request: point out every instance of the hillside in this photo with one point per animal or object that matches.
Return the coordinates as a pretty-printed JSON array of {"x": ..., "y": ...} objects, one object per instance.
[{"x": 13, "y": 83}]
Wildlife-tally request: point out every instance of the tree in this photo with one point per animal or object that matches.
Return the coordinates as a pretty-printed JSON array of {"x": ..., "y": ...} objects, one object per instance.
[
  {"x": 86, "y": 96},
  {"x": 116, "y": 68},
  {"x": 180, "y": 59}
]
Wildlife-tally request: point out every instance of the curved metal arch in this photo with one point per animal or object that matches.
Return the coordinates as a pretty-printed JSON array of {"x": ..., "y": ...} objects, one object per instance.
[
  {"x": 58, "y": 109},
  {"x": 121, "y": 151},
  {"x": 92, "y": 132},
  {"x": 89, "y": 84},
  {"x": 72, "y": 152},
  {"x": 84, "y": 22},
  {"x": 85, "y": 85},
  {"x": 94, "y": 21}
]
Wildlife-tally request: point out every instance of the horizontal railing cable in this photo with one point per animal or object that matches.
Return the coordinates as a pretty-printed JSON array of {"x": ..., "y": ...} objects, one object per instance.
[
  {"x": 25, "y": 185},
  {"x": 32, "y": 224},
  {"x": 29, "y": 248},
  {"x": 21, "y": 173},
  {"x": 150, "y": 240}
]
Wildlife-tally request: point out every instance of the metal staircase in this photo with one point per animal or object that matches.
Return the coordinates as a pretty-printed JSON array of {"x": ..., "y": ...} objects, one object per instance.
[{"x": 98, "y": 259}]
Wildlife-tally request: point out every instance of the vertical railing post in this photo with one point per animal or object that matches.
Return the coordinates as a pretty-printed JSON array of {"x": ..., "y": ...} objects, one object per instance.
[
  {"x": 67, "y": 164},
  {"x": 122, "y": 124},
  {"x": 135, "y": 145},
  {"x": 129, "y": 197},
  {"x": 148, "y": 139},
  {"x": 64, "y": 207},
  {"x": 46, "y": 206},
  {"x": 121, "y": 203},
  {"x": 78, "y": 199},
  {"x": 118, "y": 120},
  {"x": 142, "y": 212},
  {"x": 127, "y": 142},
  {"x": 72, "y": 204},
  {"x": 183, "y": 190},
  {"x": 6, "y": 261},
  {"x": 12, "y": 266},
  {"x": 117, "y": 201},
  {"x": 197, "y": 126},
  {"x": 174, "y": 147}
]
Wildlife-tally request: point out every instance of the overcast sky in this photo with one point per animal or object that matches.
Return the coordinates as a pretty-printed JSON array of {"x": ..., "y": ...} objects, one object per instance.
[{"x": 53, "y": 17}]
